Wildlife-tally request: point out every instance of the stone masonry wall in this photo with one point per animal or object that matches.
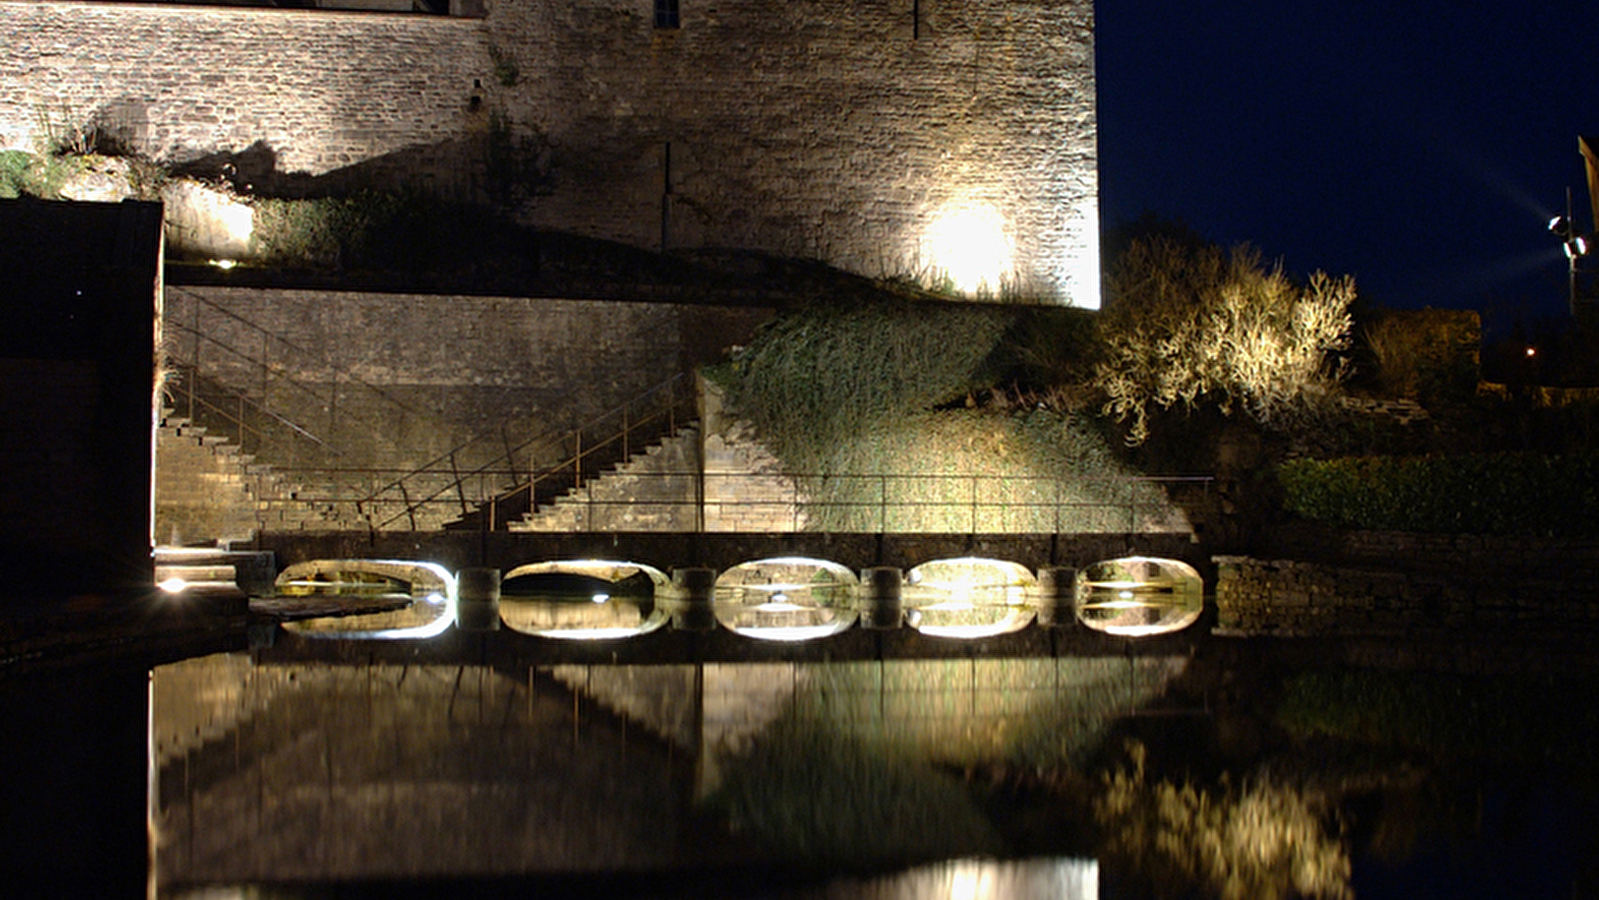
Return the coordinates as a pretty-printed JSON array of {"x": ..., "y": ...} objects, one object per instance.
[
  {"x": 1411, "y": 583},
  {"x": 312, "y": 91},
  {"x": 376, "y": 386},
  {"x": 887, "y": 137},
  {"x": 393, "y": 380},
  {"x": 745, "y": 487}
]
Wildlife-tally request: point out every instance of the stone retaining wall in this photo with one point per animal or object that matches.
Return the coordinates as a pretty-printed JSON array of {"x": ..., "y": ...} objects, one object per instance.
[
  {"x": 389, "y": 382},
  {"x": 1403, "y": 584}
]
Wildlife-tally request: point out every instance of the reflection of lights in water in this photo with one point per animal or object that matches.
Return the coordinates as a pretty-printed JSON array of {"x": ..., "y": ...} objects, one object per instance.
[
  {"x": 437, "y": 613},
  {"x": 967, "y": 598},
  {"x": 789, "y": 598},
  {"x": 987, "y": 879},
  {"x": 552, "y": 600},
  {"x": 1137, "y": 596},
  {"x": 431, "y": 587}
]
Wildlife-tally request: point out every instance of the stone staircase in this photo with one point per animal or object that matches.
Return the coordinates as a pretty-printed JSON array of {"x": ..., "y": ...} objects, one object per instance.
[
  {"x": 653, "y": 490},
  {"x": 209, "y": 492}
]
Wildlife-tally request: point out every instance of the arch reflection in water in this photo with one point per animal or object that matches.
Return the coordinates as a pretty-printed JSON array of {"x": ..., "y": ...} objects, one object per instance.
[
  {"x": 968, "y": 597},
  {"x": 789, "y": 598},
  {"x": 586, "y": 599},
  {"x": 1137, "y": 596},
  {"x": 372, "y": 598},
  {"x": 979, "y": 879}
]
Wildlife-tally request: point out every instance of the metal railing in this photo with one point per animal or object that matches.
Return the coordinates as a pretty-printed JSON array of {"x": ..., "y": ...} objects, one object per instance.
[
  {"x": 891, "y": 502},
  {"x": 691, "y": 501},
  {"x": 486, "y": 470},
  {"x": 578, "y": 453},
  {"x": 202, "y": 352}
]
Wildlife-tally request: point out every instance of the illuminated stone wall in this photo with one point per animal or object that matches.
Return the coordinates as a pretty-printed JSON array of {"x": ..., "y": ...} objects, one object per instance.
[
  {"x": 307, "y": 92},
  {"x": 934, "y": 140},
  {"x": 417, "y": 372},
  {"x": 379, "y": 385}
]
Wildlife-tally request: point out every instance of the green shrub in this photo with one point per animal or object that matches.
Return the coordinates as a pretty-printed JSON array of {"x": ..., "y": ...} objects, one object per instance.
[
  {"x": 1503, "y": 493},
  {"x": 820, "y": 376},
  {"x": 379, "y": 231},
  {"x": 25, "y": 174},
  {"x": 14, "y": 166},
  {"x": 845, "y": 392},
  {"x": 1190, "y": 325},
  {"x": 1430, "y": 354},
  {"x": 1526, "y": 718}
]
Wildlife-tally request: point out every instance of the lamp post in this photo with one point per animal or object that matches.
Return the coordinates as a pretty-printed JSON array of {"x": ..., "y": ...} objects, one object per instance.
[{"x": 1576, "y": 246}]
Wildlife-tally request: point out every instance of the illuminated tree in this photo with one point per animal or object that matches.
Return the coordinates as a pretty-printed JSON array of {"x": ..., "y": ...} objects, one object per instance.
[{"x": 1189, "y": 324}]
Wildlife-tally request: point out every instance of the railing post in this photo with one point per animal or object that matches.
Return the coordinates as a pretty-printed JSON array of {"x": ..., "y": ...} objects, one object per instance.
[
  {"x": 460, "y": 488},
  {"x": 266, "y": 370}
]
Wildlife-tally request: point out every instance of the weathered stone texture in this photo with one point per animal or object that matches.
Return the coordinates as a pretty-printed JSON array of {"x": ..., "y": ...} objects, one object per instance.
[
  {"x": 656, "y": 490},
  {"x": 837, "y": 131},
  {"x": 395, "y": 380},
  {"x": 1406, "y": 584},
  {"x": 318, "y": 91}
]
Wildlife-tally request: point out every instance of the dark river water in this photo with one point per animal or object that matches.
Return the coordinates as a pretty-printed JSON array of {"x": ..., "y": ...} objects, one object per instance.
[{"x": 1214, "y": 768}]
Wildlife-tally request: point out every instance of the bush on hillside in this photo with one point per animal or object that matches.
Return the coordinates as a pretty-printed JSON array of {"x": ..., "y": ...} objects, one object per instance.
[
  {"x": 1428, "y": 354},
  {"x": 868, "y": 401},
  {"x": 817, "y": 377},
  {"x": 1190, "y": 325}
]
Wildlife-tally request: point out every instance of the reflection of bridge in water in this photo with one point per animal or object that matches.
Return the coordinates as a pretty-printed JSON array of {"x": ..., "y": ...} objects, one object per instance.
[{"x": 316, "y": 760}]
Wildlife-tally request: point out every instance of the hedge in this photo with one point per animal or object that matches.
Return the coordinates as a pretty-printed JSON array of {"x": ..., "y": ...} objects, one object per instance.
[{"x": 1500, "y": 493}]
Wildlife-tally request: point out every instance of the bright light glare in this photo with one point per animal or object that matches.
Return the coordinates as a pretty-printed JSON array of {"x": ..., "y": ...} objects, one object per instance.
[
  {"x": 600, "y": 598},
  {"x": 779, "y": 606},
  {"x": 237, "y": 220},
  {"x": 968, "y": 244},
  {"x": 173, "y": 585}
]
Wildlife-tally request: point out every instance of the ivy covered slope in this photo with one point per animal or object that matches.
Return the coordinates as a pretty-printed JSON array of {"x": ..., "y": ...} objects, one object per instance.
[{"x": 893, "y": 411}]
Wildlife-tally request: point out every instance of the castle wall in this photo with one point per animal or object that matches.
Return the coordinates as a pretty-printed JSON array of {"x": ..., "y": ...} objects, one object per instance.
[
  {"x": 303, "y": 91},
  {"x": 889, "y": 137}
]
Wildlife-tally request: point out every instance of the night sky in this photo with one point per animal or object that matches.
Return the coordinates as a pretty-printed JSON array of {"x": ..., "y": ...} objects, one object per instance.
[{"x": 1420, "y": 146}]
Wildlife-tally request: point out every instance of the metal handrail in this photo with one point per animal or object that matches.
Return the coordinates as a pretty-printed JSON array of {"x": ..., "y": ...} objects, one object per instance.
[
  {"x": 339, "y": 370},
  {"x": 343, "y": 377},
  {"x": 973, "y": 504},
  {"x": 237, "y": 420},
  {"x": 549, "y": 437},
  {"x": 973, "y": 497}
]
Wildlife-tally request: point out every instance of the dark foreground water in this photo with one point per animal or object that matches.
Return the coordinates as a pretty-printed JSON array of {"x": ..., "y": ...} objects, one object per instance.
[{"x": 1228, "y": 769}]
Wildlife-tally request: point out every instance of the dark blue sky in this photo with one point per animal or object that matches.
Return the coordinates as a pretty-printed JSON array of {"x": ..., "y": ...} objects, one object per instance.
[{"x": 1420, "y": 146}]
